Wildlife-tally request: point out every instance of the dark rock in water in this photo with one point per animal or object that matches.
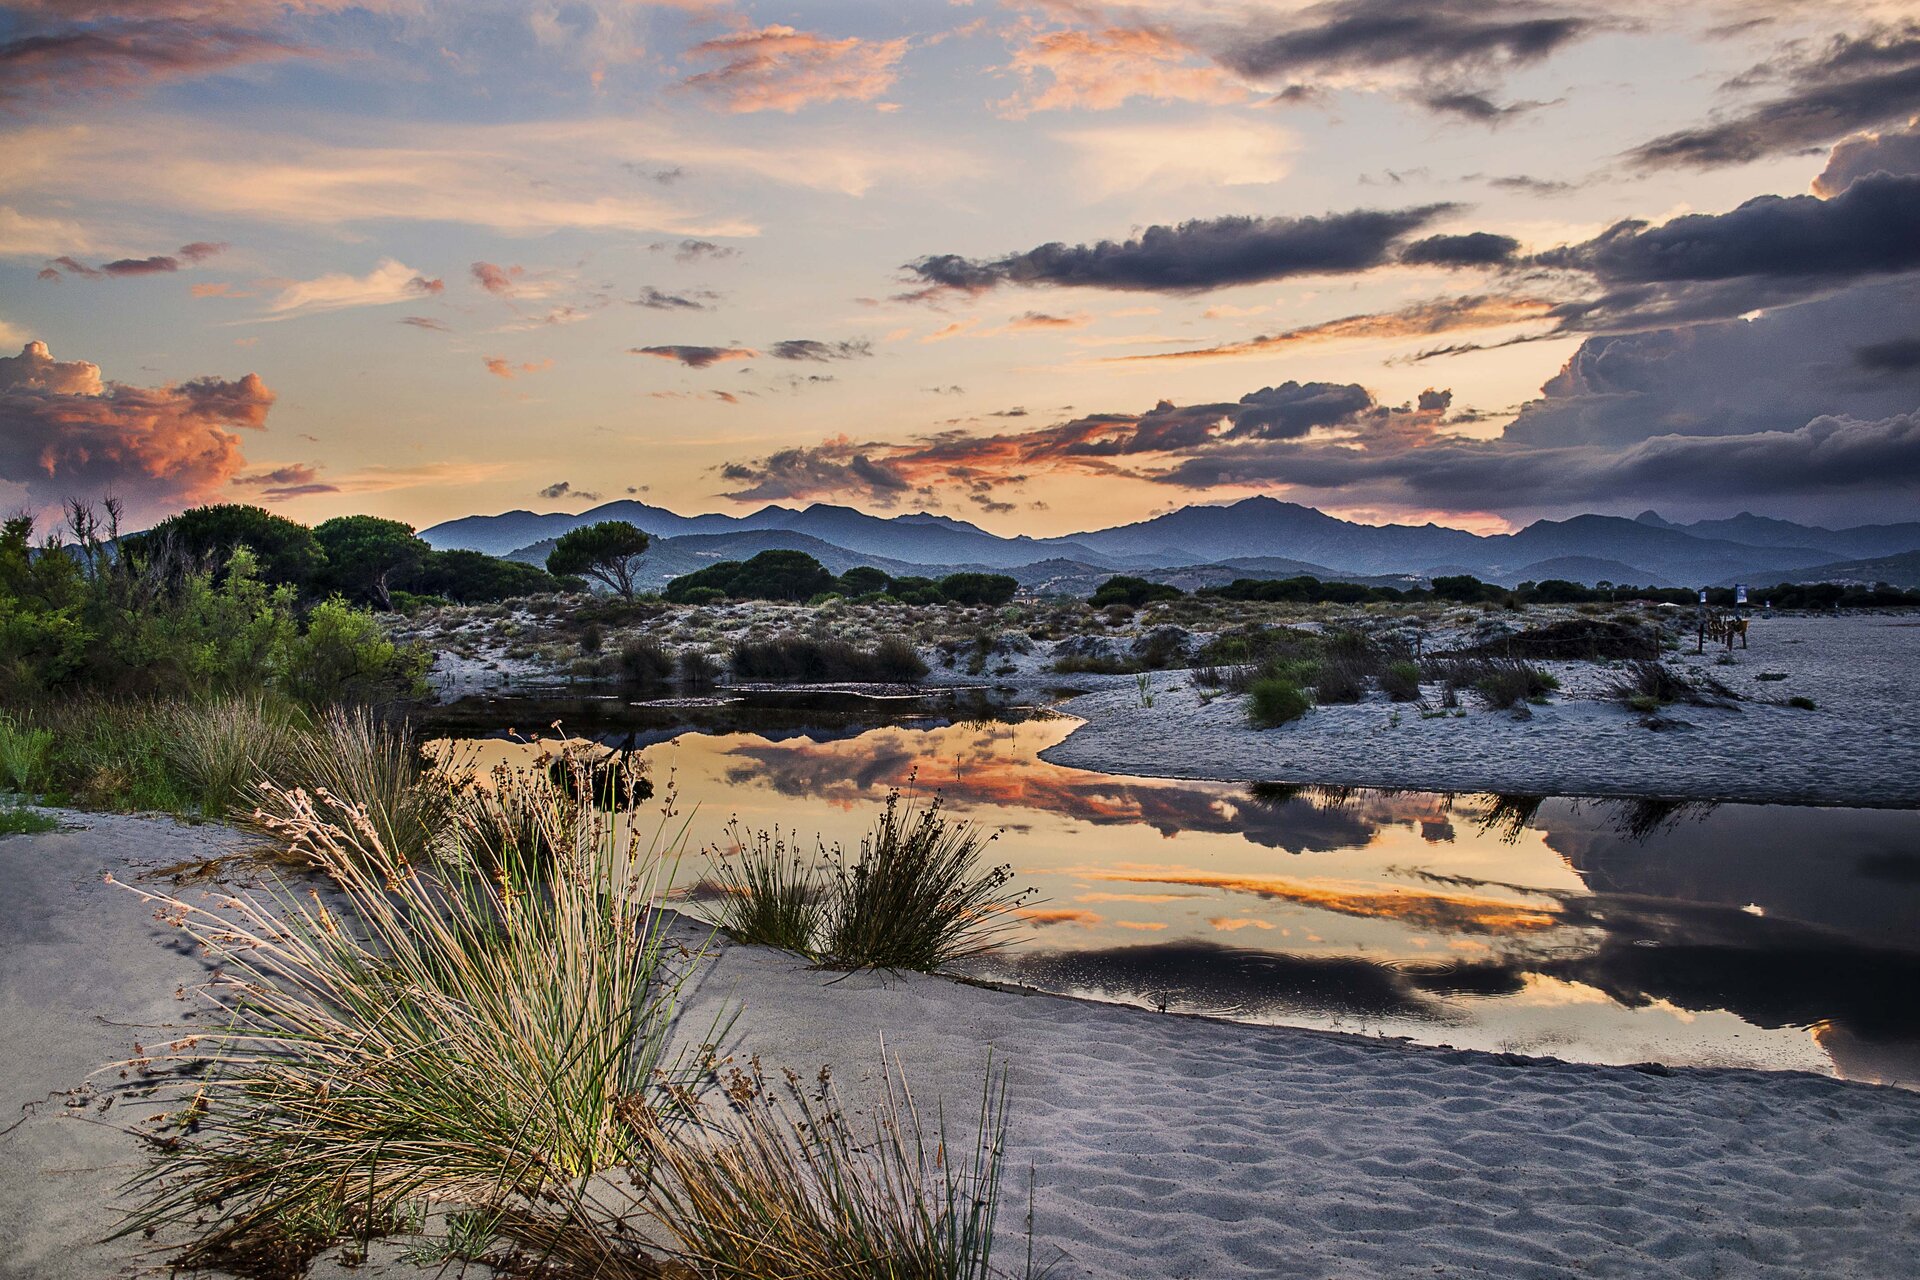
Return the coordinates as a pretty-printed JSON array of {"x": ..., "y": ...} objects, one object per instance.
[{"x": 1659, "y": 723}]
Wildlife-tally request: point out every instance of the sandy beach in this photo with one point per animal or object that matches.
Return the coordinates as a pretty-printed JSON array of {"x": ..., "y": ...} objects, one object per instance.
[
  {"x": 1860, "y": 745},
  {"x": 1161, "y": 1146}
]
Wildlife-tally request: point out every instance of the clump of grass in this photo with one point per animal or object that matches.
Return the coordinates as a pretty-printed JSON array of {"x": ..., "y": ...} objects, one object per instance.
[
  {"x": 18, "y": 820},
  {"x": 1339, "y": 678},
  {"x": 376, "y": 767},
  {"x": 783, "y": 1184},
  {"x": 765, "y": 891},
  {"x": 113, "y": 753},
  {"x": 1508, "y": 684},
  {"x": 698, "y": 669},
  {"x": 446, "y": 1033},
  {"x": 1400, "y": 681},
  {"x": 1274, "y": 700},
  {"x": 916, "y": 897},
  {"x": 220, "y": 747},
  {"x": 644, "y": 661},
  {"x": 24, "y": 751}
]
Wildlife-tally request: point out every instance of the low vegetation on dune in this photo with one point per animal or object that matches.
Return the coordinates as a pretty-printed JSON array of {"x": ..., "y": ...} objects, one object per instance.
[{"x": 916, "y": 896}]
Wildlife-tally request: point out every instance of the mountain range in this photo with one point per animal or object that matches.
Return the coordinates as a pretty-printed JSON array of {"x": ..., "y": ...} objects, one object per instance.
[{"x": 1255, "y": 537}]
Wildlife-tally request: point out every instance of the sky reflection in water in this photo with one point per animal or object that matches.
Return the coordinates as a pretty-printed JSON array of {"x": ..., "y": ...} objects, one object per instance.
[{"x": 1610, "y": 931}]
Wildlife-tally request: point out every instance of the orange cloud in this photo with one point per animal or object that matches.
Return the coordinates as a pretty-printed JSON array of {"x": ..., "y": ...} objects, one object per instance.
[
  {"x": 67, "y": 432},
  {"x": 1232, "y": 924},
  {"x": 1100, "y": 70},
  {"x": 1043, "y": 917},
  {"x": 501, "y": 367},
  {"x": 1458, "y": 913},
  {"x": 1144, "y": 926},
  {"x": 776, "y": 68},
  {"x": 1440, "y": 315}
]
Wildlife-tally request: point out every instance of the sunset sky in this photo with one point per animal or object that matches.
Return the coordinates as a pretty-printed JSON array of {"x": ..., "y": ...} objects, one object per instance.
[{"x": 1042, "y": 266}]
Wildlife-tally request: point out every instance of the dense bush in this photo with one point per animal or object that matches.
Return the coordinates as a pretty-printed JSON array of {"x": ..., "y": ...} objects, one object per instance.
[
  {"x": 471, "y": 577},
  {"x": 1123, "y": 589},
  {"x": 804, "y": 660},
  {"x": 87, "y": 619},
  {"x": 771, "y": 575},
  {"x": 978, "y": 588},
  {"x": 1274, "y": 700}
]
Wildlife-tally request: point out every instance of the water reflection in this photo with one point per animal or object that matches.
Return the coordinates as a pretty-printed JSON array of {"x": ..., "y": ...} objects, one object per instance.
[{"x": 1609, "y": 931}]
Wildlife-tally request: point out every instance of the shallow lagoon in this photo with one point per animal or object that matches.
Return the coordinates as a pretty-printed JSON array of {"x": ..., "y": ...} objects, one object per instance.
[{"x": 1603, "y": 931}]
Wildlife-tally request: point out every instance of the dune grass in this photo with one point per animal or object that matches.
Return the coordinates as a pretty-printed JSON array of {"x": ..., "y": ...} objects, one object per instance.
[
  {"x": 218, "y": 748},
  {"x": 438, "y": 1033},
  {"x": 766, "y": 891},
  {"x": 24, "y": 750},
  {"x": 354, "y": 758},
  {"x": 18, "y": 820},
  {"x": 783, "y": 1184},
  {"x": 916, "y": 896},
  {"x": 1274, "y": 700}
]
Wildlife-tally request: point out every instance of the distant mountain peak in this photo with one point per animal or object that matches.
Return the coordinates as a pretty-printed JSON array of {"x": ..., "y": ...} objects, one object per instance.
[{"x": 1654, "y": 518}]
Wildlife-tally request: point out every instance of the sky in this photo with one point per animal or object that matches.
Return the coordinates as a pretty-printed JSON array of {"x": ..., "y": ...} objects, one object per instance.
[{"x": 1044, "y": 266}]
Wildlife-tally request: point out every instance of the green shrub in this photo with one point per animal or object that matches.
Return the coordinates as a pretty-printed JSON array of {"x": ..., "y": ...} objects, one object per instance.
[
  {"x": 978, "y": 588},
  {"x": 804, "y": 660},
  {"x": 1127, "y": 589},
  {"x": 1400, "y": 681},
  {"x": 1507, "y": 684},
  {"x": 344, "y": 656},
  {"x": 1274, "y": 700},
  {"x": 644, "y": 661},
  {"x": 16, "y": 820}
]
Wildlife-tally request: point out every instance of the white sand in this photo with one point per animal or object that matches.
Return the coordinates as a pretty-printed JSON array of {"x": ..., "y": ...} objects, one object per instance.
[
  {"x": 1859, "y": 746},
  {"x": 1163, "y": 1146},
  {"x": 1166, "y": 1146}
]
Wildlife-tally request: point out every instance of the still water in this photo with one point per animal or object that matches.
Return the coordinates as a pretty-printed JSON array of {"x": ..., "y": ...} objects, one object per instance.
[{"x": 1602, "y": 931}]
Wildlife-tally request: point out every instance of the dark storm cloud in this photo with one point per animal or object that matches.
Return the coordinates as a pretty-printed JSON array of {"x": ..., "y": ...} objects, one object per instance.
[
  {"x": 158, "y": 264},
  {"x": 1869, "y": 229},
  {"x": 1193, "y": 256},
  {"x": 1293, "y": 409},
  {"x": 697, "y": 250},
  {"x": 1434, "y": 36},
  {"x": 1829, "y": 456},
  {"x": 155, "y": 265},
  {"x": 1852, "y": 83},
  {"x": 814, "y": 349},
  {"x": 1893, "y": 152},
  {"x": 1900, "y": 355},
  {"x": 1476, "y": 249}
]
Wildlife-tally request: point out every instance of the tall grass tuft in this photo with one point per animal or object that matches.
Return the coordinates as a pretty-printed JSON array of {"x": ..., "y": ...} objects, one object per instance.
[
  {"x": 765, "y": 891},
  {"x": 445, "y": 1033},
  {"x": 915, "y": 898},
  {"x": 354, "y": 758},
  {"x": 24, "y": 750},
  {"x": 220, "y": 747},
  {"x": 784, "y": 1185}
]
